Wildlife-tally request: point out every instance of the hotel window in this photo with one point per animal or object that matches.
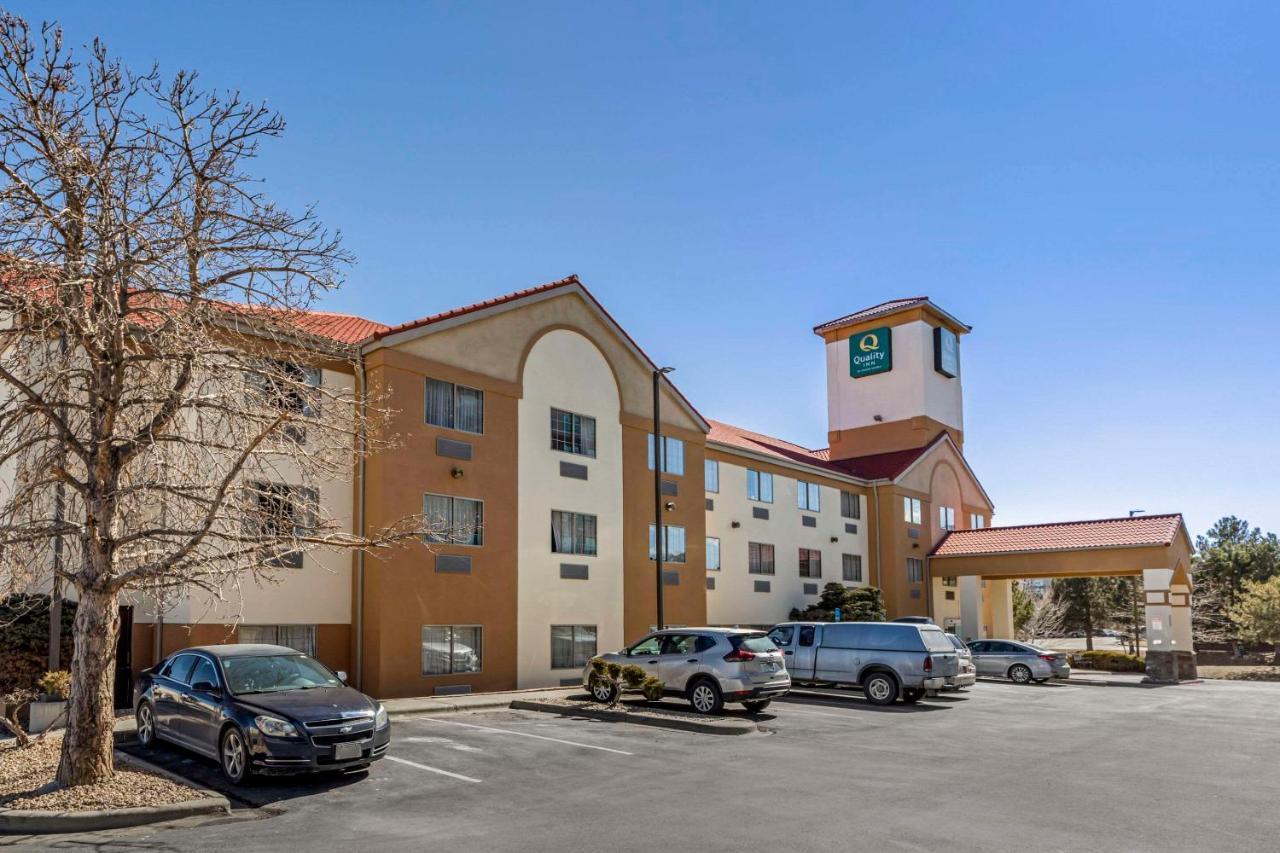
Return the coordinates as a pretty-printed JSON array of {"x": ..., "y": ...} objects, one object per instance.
[
  {"x": 672, "y": 454},
  {"x": 572, "y": 433},
  {"x": 949, "y": 581},
  {"x": 808, "y": 496},
  {"x": 915, "y": 570},
  {"x": 976, "y": 521},
  {"x": 572, "y": 646},
  {"x": 911, "y": 511},
  {"x": 674, "y": 552},
  {"x": 947, "y": 517},
  {"x": 288, "y": 387},
  {"x": 759, "y": 486},
  {"x": 451, "y": 649},
  {"x": 851, "y": 567},
  {"x": 810, "y": 563},
  {"x": 280, "y": 512},
  {"x": 850, "y": 505},
  {"x": 713, "y": 553},
  {"x": 456, "y": 521},
  {"x": 454, "y": 406},
  {"x": 711, "y": 473},
  {"x": 573, "y": 533},
  {"x": 759, "y": 558},
  {"x": 300, "y": 638}
]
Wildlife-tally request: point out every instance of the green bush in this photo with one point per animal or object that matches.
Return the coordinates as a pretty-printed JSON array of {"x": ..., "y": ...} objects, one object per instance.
[
  {"x": 24, "y": 638},
  {"x": 1109, "y": 661},
  {"x": 55, "y": 684}
]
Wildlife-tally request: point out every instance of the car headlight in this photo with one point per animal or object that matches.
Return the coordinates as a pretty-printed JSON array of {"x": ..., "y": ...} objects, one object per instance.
[
  {"x": 380, "y": 720},
  {"x": 275, "y": 727}
]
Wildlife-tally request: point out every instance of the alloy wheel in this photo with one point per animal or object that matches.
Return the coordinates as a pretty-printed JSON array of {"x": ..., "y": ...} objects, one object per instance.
[
  {"x": 1020, "y": 674},
  {"x": 879, "y": 689},
  {"x": 233, "y": 755},
  {"x": 602, "y": 691},
  {"x": 704, "y": 698},
  {"x": 146, "y": 725}
]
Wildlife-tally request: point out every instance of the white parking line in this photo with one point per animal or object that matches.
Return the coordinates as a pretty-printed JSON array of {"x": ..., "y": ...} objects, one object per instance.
[
  {"x": 523, "y": 734},
  {"x": 399, "y": 760}
]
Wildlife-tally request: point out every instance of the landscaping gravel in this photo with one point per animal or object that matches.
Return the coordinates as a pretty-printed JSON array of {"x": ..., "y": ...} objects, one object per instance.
[{"x": 27, "y": 782}]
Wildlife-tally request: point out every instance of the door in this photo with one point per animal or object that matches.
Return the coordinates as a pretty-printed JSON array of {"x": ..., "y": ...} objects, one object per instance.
[
  {"x": 645, "y": 654},
  {"x": 805, "y": 648},
  {"x": 990, "y": 657},
  {"x": 201, "y": 710},
  {"x": 168, "y": 690},
  {"x": 681, "y": 659},
  {"x": 124, "y": 660},
  {"x": 784, "y": 637}
]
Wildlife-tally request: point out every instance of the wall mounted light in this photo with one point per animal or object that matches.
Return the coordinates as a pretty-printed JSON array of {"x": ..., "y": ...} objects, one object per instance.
[
  {"x": 669, "y": 506},
  {"x": 878, "y": 418},
  {"x": 457, "y": 473},
  {"x": 835, "y": 538},
  {"x": 735, "y": 524}
]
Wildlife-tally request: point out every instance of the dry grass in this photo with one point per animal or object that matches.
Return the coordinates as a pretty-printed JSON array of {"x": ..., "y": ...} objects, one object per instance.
[
  {"x": 26, "y": 782},
  {"x": 1256, "y": 672}
]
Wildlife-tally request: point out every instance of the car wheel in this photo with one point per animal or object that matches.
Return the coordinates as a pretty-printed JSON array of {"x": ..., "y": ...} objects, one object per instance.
[
  {"x": 880, "y": 689},
  {"x": 756, "y": 706},
  {"x": 705, "y": 697},
  {"x": 1020, "y": 673},
  {"x": 234, "y": 754},
  {"x": 603, "y": 691},
  {"x": 146, "y": 720},
  {"x": 912, "y": 695}
]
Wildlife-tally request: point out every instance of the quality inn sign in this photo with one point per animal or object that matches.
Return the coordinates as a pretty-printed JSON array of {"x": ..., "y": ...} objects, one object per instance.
[{"x": 870, "y": 352}]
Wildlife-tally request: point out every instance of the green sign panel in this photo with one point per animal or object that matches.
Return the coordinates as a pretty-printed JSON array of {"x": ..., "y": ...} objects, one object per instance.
[{"x": 870, "y": 353}]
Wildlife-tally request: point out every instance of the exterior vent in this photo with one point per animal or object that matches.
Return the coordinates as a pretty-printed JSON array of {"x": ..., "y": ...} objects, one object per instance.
[
  {"x": 711, "y": 504},
  {"x": 670, "y": 489},
  {"x": 711, "y": 583},
  {"x": 808, "y": 521},
  {"x": 453, "y": 564},
  {"x": 759, "y": 512},
  {"x": 453, "y": 449},
  {"x": 851, "y": 528},
  {"x": 574, "y": 470},
  {"x": 811, "y": 589},
  {"x": 671, "y": 578},
  {"x": 762, "y": 586},
  {"x": 574, "y": 571},
  {"x": 453, "y": 689}
]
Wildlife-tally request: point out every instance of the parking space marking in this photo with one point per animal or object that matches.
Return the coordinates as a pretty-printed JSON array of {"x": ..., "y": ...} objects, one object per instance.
[
  {"x": 524, "y": 734},
  {"x": 406, "y": 761}
]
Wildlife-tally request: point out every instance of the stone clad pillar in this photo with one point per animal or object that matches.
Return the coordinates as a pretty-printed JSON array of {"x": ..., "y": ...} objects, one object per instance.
[
  {"x": 1170, "y": 651},
  {"x": 970, "y": 607}
]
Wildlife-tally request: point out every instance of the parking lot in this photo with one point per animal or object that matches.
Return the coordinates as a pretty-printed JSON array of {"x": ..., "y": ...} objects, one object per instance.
[{"x": 1002, "y": 767}]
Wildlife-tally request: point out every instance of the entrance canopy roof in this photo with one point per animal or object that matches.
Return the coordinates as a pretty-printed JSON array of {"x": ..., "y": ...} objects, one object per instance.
[{"x": 1109, "y": 546}]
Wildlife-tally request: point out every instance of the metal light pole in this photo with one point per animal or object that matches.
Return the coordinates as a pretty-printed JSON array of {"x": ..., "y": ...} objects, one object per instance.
[{"x": 659, "y": 529}]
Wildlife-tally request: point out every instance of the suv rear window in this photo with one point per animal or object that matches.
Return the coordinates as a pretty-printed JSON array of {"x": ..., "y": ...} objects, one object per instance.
[
  {"x": 758, "y": 643},
  {"x": 935, "y": 640}
]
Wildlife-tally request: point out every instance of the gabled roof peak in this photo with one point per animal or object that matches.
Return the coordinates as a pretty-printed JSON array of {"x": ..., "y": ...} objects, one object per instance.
[{"x": 886, "y": 309}]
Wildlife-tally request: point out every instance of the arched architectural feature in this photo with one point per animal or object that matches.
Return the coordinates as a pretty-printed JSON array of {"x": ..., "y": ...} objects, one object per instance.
[{"x": 578, "y": 590}]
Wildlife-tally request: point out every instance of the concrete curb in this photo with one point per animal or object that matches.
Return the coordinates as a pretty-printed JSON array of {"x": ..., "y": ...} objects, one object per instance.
[
  {"x": 719, "y": 726},
  {"x": 40, "y": 822},
  {"x": 470, "y": 701}
]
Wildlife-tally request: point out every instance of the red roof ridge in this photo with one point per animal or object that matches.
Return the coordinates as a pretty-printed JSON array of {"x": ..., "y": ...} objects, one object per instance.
[
  {"x": 1093, "y": 533},
  {"x": 1077, "y": 521},
  {"x": 572, "y": 278},
  {"x": 751, "y": 432},
  {"x": 871, "y": 311}
]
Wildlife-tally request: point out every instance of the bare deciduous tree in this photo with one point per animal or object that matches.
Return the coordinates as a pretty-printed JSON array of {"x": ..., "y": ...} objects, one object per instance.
[{"x": 162, "y": 428}]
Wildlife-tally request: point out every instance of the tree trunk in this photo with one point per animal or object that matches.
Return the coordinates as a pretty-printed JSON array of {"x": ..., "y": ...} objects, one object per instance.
[
  {"x": 1088, "y": 623},
  {"x": 1275, "y": 656},
  {"x": 86, "y": 746}
]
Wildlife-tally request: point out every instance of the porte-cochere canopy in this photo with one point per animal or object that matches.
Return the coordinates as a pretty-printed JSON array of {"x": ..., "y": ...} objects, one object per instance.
[{"x": 1155, "y": 547}]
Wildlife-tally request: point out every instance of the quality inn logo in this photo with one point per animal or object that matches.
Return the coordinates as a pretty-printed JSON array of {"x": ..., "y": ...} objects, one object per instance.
[{"x": 871, "y": 353}]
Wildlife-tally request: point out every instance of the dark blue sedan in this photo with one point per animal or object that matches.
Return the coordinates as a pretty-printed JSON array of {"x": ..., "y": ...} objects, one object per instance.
[{"x": 259, "y": 709}]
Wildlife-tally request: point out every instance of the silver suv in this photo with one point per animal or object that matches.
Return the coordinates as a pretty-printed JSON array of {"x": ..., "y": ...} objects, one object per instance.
[
  {"x": 708, "y": 666},
  {"x": 887, "y": 660}
]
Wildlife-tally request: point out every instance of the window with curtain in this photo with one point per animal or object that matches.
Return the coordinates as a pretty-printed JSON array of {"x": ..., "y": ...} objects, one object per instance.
[
  {"x": 573, "y": 433},
  {"x": 911, "y": 511},
  {"x": 810, "y": 563},
  {"x": 281, "y": 512},
  {"x": 915, "y": 570},
  {"x": 457, "y": 521},
  {"x": 759, "y": 486},
  {"x": 947, "y": 517},
  {"x": 572, "y": 646},
  {"x": 808, "y": 496},
  {"x": 454, "y": 406},
  {"x": 451, "y": 649},
  {"x": 711, "y": 473},
  {"x": 300, "y": 638},
  {"x": 850, "y": 505},
  {"x": 573, "y": 533},
  {"x": 672, "y": 454},
  {"x": 760, "y": 558},
  {"x": 976, "y": 521},
  {"x": 851, "y": 567},
  {"x": 713, "y": 553},
  {"x": 674, "y": 551}
]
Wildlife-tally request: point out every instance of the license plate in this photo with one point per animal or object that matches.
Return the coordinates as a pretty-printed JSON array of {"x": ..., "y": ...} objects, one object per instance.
[
  {"x": 346, "y": 751},
  {"x": 769, "y": 666}
]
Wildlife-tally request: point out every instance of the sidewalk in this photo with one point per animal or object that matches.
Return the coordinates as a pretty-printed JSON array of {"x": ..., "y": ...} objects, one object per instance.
[{"x": 472, "y": 701}]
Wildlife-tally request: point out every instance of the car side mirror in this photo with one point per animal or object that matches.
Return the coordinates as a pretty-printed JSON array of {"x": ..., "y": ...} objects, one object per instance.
[
  {"x": 342, "y": 676},
  {"x": 206, "y": 687}
]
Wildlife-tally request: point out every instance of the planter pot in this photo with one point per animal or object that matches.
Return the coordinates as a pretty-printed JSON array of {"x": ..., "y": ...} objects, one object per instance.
[{"x": 45, "y": 714}]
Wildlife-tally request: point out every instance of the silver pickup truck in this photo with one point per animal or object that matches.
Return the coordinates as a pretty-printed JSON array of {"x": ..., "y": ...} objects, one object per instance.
[{"x": 888, "y": 660}]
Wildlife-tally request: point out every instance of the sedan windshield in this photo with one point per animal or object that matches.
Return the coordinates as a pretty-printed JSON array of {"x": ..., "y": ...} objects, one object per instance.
[{"x": 275, "y": 673}]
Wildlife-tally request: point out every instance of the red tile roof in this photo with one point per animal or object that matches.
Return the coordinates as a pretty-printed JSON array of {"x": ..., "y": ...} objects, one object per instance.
[
  {"x": 343, "y": 328},
  {"x": 1142, "y": 530},
  {"x": 884, "y": 309},
  {"x": 878, "y": 466},
  {"x": 478, "y": 306}
]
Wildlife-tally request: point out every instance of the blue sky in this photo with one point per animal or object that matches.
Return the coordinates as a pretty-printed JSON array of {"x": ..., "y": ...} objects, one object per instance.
[{"x": 1092, "y": 186}]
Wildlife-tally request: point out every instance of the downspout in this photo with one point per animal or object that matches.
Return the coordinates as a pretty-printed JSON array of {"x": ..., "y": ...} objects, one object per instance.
[{"x": 362, "y": 442}]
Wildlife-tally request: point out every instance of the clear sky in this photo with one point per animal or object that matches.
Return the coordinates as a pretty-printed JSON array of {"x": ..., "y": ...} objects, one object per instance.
[{"x": 1092, "y": 186}]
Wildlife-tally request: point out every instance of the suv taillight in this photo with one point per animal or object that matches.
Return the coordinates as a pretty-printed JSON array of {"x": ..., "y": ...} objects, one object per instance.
[
  {"x": 928, "y": 663},
  {"x": 739, "y": 656}
]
